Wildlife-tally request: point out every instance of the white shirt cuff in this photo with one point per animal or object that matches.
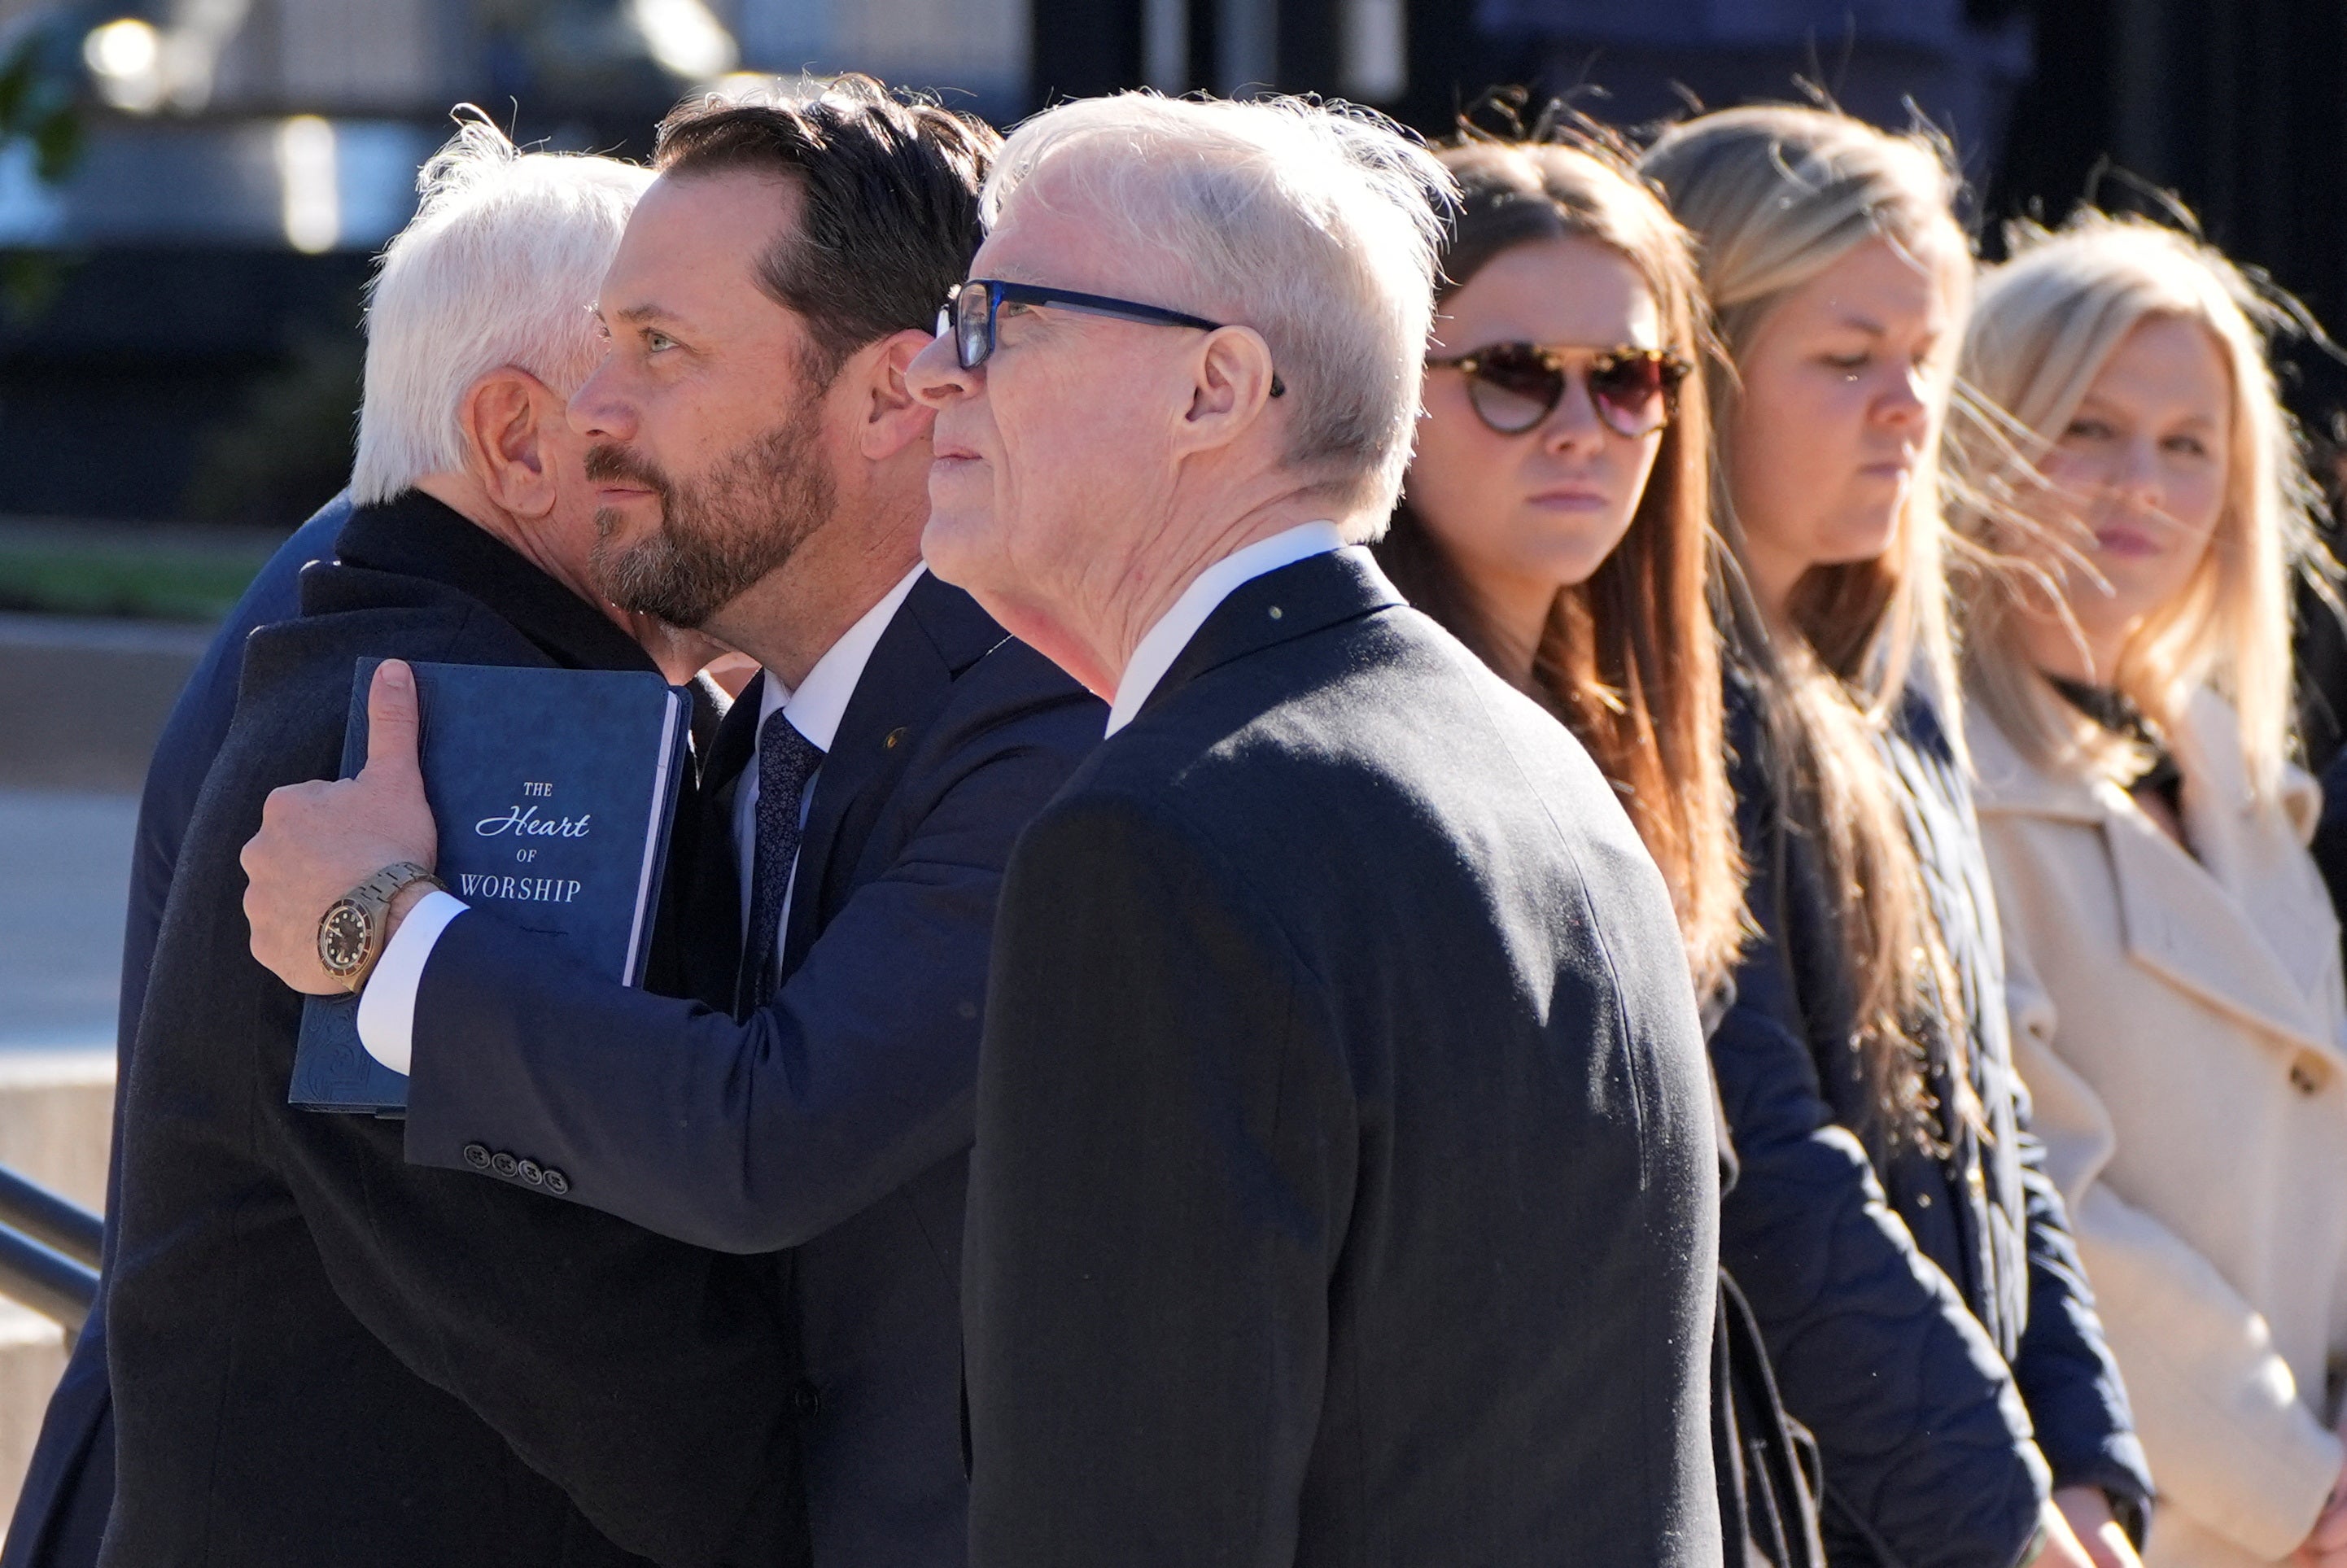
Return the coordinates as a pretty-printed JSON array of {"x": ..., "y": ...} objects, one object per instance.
[{"x": 387, "y": 1005}]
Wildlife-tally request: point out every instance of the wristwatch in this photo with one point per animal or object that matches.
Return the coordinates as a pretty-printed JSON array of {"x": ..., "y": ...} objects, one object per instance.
[{"x": 351, "y": 933}]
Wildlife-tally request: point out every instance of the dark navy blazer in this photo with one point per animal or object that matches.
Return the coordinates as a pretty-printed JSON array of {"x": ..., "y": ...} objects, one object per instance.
[
  {"x": 61, "y": 1512},
  {"x": 1345, "y": 1189},
  {"x": 833, "y": 1127}
]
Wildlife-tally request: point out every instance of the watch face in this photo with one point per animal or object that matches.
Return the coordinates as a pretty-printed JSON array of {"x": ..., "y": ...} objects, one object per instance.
[{"x": 342, "y": 938}]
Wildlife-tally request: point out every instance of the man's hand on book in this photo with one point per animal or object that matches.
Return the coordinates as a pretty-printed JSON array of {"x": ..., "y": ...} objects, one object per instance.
[{"x": 319, "y": 840}]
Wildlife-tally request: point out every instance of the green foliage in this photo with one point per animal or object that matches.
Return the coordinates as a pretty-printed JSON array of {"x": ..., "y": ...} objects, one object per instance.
[
  {"x": 37, "y": 104},
  {"x": 182, "y": 581}
]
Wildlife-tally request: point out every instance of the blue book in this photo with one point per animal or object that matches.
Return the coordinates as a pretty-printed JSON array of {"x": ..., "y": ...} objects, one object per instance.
[{"x": 553, "y": 791}]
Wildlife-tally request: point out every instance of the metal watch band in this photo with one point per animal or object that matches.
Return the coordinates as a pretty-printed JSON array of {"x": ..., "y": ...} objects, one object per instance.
[
  {"x": 391, "y": 881},
  {"x": 375, "y": 897}
]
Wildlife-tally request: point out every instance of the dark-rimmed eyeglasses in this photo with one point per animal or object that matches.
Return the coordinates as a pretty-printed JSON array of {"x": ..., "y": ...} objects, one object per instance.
[
  {"x": 1513, "y": 386},
  {"x": 970, "y": 309}
]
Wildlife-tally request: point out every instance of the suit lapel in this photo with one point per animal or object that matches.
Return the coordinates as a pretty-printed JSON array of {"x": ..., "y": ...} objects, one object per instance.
[
  {"x": 935, "y": 635},
  {"x": 415, "y": 536},
  {"x": 2189, "y": 928},
  {"x": 2181, "y": 918},
  {"x": 2196, "y": 917},
  {"x": 2250, "y": 848},
  {"x": 1295, "y": 600}
]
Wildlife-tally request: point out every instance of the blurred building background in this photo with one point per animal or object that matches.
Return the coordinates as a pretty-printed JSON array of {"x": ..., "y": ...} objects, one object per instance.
[
  {"x": 180, "y": 334},
  {"x": 178, "y": 313}
]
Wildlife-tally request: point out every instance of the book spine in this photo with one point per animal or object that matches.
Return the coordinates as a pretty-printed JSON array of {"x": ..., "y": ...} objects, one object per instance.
[{"x": 667, "y": 780}]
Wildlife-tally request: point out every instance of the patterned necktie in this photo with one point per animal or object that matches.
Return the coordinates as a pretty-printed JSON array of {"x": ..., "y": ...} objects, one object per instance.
[{"x": 786, "y": 761}]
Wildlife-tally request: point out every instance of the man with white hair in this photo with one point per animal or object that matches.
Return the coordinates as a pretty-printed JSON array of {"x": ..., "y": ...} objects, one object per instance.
[
  {"x": 319, "y": 1354},
  {"x": 1344, "y": 1186}
]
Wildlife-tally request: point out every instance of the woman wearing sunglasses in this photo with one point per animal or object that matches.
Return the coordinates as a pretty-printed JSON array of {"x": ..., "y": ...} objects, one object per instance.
[
  {"x": 1556, "y": 519},
  {"x": 2177, "y": 1004},
  {"x": 1556, "y": 514},
  {"x": 1891, "y": 1221}
]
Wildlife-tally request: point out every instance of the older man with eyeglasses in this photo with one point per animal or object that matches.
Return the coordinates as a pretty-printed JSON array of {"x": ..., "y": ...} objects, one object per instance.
[{"x": 1344, "y": 1188}]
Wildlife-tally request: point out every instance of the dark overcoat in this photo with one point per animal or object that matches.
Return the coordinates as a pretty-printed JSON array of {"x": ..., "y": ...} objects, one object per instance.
[
  {"x": 321, "y": 1354},
  {"x": 1345, "y": 1189}
]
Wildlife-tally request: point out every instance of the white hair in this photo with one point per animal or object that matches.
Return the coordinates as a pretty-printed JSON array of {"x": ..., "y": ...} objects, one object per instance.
[
  {"x": 1318, "y": 225},
  {"x": 497, "y": 269}
]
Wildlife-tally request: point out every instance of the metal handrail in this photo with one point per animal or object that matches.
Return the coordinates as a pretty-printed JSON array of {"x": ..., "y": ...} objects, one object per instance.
[
  {"x": 53, "y": 1220},
  {"x": 46, "y": 1280}
]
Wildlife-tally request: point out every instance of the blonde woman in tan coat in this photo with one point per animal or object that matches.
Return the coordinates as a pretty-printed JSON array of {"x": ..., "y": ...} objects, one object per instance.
[{"x": 2173, "y": 959}]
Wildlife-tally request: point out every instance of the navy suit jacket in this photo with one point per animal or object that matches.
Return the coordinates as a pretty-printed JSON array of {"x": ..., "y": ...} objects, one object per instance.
[
  {"x": 1345, "y": 1188},
  {"x": 830, "y": 1128},
  {"x": 61, "y": 1509}
]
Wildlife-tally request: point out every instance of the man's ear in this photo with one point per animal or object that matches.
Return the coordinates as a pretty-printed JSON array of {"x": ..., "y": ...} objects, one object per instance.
[
  {"x": 505, "y": 418},
  {"x": 891, "y": 417},
  {"x": 1232, "y": 380}
]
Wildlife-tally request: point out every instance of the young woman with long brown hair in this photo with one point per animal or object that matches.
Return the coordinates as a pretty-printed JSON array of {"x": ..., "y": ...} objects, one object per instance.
[
  {"x": 1557, "y": 520},
  {"x": 1891, "y": 1223},
  {"x": 1556, "y": 517}
]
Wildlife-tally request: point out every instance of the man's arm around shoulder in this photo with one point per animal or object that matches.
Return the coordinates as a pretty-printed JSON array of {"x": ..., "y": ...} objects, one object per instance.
[{"x": 753, "y": 1137}]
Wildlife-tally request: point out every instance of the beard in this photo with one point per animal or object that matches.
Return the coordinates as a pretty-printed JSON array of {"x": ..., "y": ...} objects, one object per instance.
[{"x": 718, "y": 533}]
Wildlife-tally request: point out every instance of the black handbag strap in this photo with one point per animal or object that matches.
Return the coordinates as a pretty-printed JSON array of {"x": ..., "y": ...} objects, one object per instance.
[{"x": 1769, "y": 1476}]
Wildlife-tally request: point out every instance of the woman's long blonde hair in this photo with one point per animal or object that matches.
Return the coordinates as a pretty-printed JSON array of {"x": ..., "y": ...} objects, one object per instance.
[
  {"x": 1629, "y": 659},
  {"x": 1775, "y": 195},
  {"x": 2046, "y": 323}
]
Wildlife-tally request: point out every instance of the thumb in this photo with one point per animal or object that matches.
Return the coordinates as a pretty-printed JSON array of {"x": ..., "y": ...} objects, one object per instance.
[{"x": 392, "y": 722}]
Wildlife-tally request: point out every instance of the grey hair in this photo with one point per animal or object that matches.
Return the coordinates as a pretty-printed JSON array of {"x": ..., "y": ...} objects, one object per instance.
[
  {"x": 499, "y": 267},
  {"x": 1316, "y": 224}
]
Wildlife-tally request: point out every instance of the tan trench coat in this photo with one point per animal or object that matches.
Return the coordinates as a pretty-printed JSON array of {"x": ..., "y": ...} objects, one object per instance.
[{"x": 2179, "y": 1018}]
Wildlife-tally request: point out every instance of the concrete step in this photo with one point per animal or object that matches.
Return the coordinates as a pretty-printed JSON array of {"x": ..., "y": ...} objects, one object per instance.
[
  {"x": 32, "y": 1358},
  {"x": 56, "y": 1120},
  {"x": 55, "y": 1128},
  {"x": 80, "y": 703}
]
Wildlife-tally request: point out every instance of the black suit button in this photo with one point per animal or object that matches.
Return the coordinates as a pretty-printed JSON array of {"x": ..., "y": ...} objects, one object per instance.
[
  {"x": 503, "y": 1163},
  {"x": 478, "y": 1156},
  {"x": 555, "y": 1182},
  {"x": 532, "y": 1173},
  {"x": 810, "y": 1400}
]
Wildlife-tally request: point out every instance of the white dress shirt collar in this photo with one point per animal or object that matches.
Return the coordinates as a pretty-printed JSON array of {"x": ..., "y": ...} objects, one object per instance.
[
  {"x": 815, "y": 709},
  {"x": 1163, "y": 643}
]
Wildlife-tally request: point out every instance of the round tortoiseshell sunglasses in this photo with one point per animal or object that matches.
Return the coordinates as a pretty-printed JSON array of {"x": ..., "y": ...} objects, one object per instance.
[{"x": 1514, "y": 386}]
